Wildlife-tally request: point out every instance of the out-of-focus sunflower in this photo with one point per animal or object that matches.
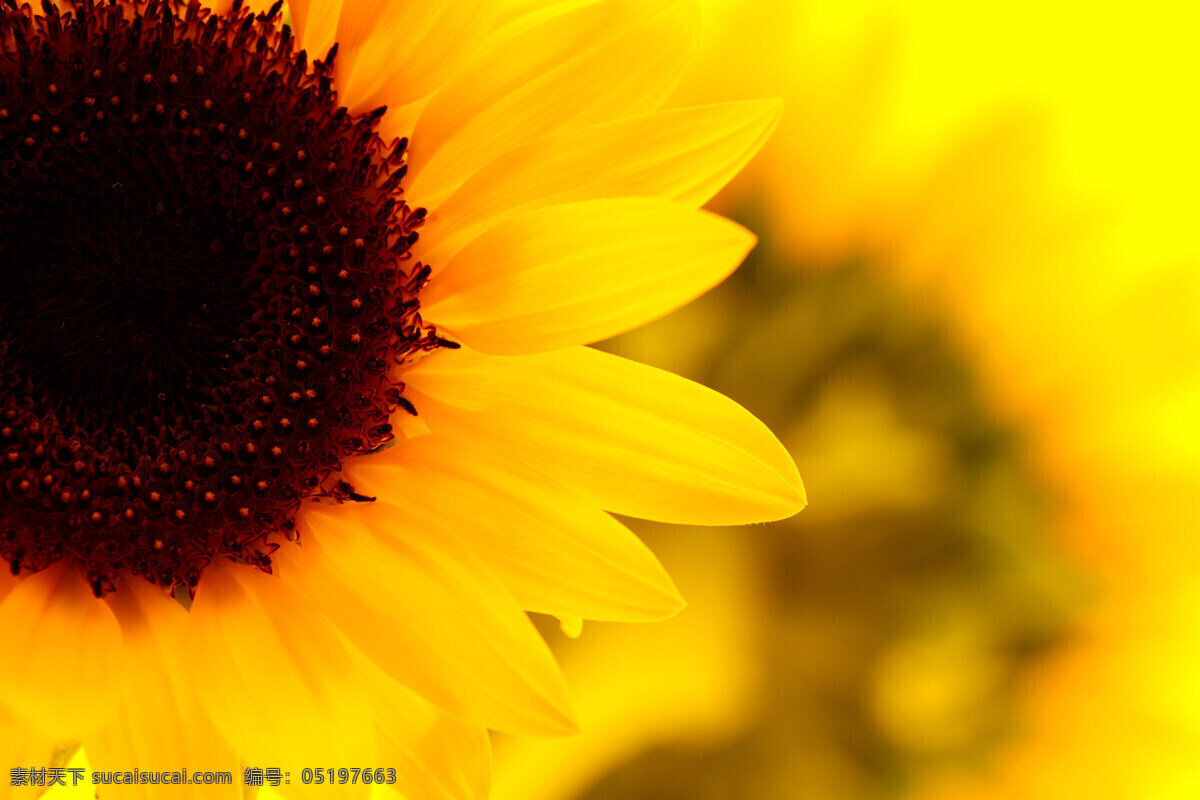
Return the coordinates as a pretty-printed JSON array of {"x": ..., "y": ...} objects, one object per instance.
[
  {"x": 240, "y": 258},
  {"x": 1037, "y": 192},
  {"x": 1091, "y": 340}
]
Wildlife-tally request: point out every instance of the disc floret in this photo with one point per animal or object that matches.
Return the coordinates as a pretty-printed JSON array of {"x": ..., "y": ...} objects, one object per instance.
[{"x": 208, "y": 282}]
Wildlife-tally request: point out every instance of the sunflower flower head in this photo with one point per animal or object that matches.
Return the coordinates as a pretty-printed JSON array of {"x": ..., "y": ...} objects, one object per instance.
[{"x": 296, "y": 420}]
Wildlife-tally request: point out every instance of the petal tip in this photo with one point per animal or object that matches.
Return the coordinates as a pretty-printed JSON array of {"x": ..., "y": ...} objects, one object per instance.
[
  {"x": 672, "y": 602},
  {"x": 673, "y": 608},
  {"x": 786, "y": 501},
  {"x": 769, "y": 110},
  {"x": 562, "y": 722},
  {"x": 794, "y": 499},
  {"x": 666, "y": 605}
]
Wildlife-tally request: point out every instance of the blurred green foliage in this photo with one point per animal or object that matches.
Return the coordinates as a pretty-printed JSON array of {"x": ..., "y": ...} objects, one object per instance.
[{"x": 904, "y": 606}]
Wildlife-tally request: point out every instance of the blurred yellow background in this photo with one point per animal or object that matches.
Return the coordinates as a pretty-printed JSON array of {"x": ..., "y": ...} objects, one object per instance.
[{"x": 974, "y": 318}]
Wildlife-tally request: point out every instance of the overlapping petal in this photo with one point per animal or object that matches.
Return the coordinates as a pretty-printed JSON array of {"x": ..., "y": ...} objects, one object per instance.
[
  {"x": 64, "y": 654},
  {"x": 273, "y": 675},
  {"x": 316, "y": 23},
  {"x": 580, "y": 272},
  {"x": 685, "y": 155},
  {"x": 397, "y": 586},
  {"x": 436, "y": 755},
  {"x": 151, "y": 688},
  {"x": 393, "y": 52},
  {"x": 556, "y": 552},
  {"x": 610, "y": 59},
  {"x": 21, "y": 748},
  {"x": 634, "y": 439}
]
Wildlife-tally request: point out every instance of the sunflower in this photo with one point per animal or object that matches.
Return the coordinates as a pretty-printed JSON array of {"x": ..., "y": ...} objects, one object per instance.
[{"x": 295, "y": 409}]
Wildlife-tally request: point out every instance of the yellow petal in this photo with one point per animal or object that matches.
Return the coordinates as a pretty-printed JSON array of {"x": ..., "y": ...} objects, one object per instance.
[
  {"x": 601, "y": 62},
  {"x": 581, "y": 272},
  {"x": 272, "y": 673},
  {"x": 554, "y": 551},
  {"x": 392, "y": 52},
  {"x": 688, "y": 682},
  {"x": 437, "y": 756},
  {"x": 23, "y": 748},
  {"x": 634, "y": 439},
  {"x": 316, "y": 23},
  {"x": 521, "y": 12},
  {"x": 159, "y": 725},
  {"x": 685, "y": 155},
  {"x": 430, "y": 615},
  {"x": 64, "y": 654}
]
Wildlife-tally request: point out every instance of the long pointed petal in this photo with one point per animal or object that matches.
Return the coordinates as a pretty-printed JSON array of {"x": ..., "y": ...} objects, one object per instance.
[
  {"x": 559, "y": 276},
  {"x": 160, "y": 726},
  {"x": 684, "y": 154},
  {"x": 556, "y": 553},
  {"x": 637, "y": 440},
  {"x": 271, "y": 672},
  {"x": 396, "y": 589},
  {"x": 397, "y": 51},
  {"x": 437, "y": 756},
  {"x": 604, "y": 61}
]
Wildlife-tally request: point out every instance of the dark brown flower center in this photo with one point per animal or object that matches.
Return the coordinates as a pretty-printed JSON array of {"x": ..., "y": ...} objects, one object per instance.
[{"x": 206, "y": 280}]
